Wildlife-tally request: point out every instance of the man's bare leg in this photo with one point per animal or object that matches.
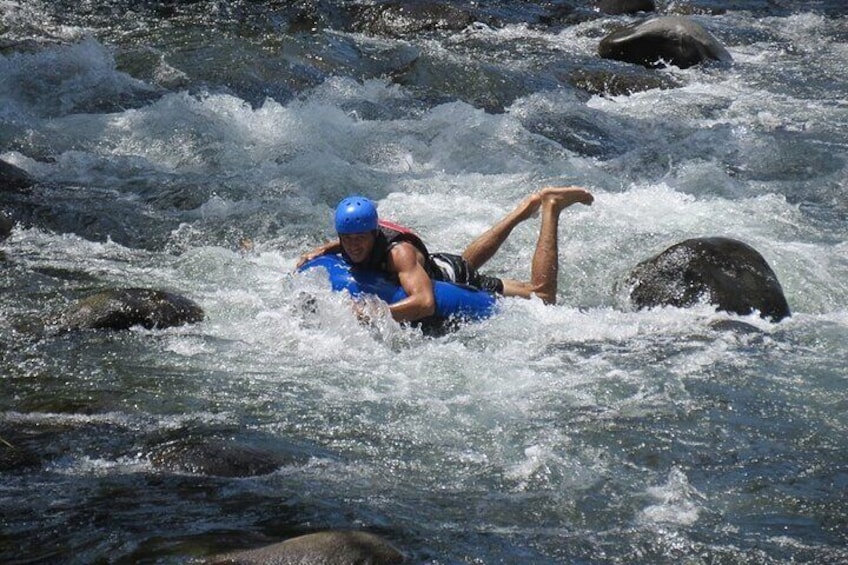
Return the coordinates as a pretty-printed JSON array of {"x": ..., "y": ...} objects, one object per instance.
[
  {"x": 486, "y": 245},
  {"x": 545, "y": 266}
]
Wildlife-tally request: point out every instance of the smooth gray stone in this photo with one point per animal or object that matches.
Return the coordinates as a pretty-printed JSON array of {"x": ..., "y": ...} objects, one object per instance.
[
  {"x": 725, "y": 272},
  {"x": 322, "y": 548},
  {"x": 661, "y": 41},
  {"x": 124, "y": 308}
]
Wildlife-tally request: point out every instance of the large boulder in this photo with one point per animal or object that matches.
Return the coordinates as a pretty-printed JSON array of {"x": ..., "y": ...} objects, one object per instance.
[
  {"x": 124, "y": 308},
  {"x": 661, "y": 41},
  {"x": 722, "y": 271},
  {"x": 324, "y": 548},
  {"x": 13, "y": 178}
]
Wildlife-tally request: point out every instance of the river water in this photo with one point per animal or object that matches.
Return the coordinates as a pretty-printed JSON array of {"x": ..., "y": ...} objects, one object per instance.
[{"x": 200, "y": 147}]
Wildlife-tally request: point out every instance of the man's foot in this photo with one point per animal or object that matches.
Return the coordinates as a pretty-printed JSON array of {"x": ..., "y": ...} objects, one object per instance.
[
  {"x": 562, "y": 197},
  {"x": 529, "y": 207}
]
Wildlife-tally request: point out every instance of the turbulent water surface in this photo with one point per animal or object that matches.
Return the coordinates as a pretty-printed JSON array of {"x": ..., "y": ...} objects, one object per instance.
[{"x": 200, "y": 147}]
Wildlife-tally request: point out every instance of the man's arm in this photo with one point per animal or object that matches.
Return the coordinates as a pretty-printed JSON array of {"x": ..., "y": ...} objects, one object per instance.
[
  {"x": 420, "y": 302},
  {"x": 333, "y": 246}
]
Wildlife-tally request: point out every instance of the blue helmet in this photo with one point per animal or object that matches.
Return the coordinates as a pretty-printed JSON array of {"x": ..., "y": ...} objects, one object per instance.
[{"x": 356, "y": 214}]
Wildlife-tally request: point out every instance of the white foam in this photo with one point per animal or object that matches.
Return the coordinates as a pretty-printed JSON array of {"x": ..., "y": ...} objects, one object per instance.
[
  {"x": 677, "y": 502},
  {"x": 62, "y": 80}
]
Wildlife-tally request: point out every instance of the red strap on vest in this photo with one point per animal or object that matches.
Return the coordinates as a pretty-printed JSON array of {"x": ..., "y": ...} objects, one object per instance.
[{"x": 393, "y": 226}]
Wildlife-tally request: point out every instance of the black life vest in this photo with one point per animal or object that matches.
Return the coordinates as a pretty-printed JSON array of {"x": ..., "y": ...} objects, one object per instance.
[{"x": 390, "y": 234}]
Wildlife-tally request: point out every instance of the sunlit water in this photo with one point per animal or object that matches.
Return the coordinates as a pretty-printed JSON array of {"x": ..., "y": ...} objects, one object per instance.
[{"x": 582, "y": 433}]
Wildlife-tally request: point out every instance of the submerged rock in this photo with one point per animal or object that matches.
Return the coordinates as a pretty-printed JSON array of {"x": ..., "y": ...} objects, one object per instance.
[
  {"x": 124, "y": 308},
  {"x": 405, "y": 17},
  {"x": 735, "y": 326},
  {"x": 618, "y": 83},
  {"x": 26, "y": 444},
  {"x": 325, "y": 548},
  {"x": 13, "y": 455},
  {"x": 626, "y": 6},
  {"x": 725, "y": 272},
  {"x": 6, "y": 226},
  {"x": 661, "y": 41},
  {"x": 215, "y": 457}
]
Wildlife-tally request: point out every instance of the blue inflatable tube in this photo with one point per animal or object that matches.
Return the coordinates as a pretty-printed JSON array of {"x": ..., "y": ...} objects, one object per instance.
[{"x": 452, "y": 300}]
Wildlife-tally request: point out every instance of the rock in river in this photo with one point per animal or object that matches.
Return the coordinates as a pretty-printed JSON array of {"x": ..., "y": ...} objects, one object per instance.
[
  {"x": 723, "y": 271},
  {"x": 661, "y": 41},
  {"x": 124, "y": 308}
]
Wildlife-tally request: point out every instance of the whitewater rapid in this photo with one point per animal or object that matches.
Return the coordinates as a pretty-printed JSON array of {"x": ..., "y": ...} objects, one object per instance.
[{"x": 168, "y": 156}]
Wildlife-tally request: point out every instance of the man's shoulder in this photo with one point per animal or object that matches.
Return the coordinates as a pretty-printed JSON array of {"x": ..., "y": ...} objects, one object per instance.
[
  {"x": 403, "y": 246},
  {"x": 402, "y": 252}
]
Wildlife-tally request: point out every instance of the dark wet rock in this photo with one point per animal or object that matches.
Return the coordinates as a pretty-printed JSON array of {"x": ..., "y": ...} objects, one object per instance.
[
  {"x": 14, "y": 178},
  {"x": 482, "y": 85},
  {"x": 6, "y": 226},
  {"x": 404, "y": 18},
  {"x": 25, "y": 445},
  {"x": 722, "y": 271},
  {"x": 26, "y": 45},
  {"x": 626, "y": 6},
  {"x": 13, "y": 455},
  {"x": 326, "y": 548},
  {"x": 216, "y": 457},
  {"x": 124, "y": 308},
  {"x": 91, "y": 213},
  {"x": 576, "y": 129},
  {"x": 661, "y": 41},
  {"x": 618, "y": 83},
  {"x": 678, "y": 9},
  {"x": 561, "y": 14},
  {"x": 754, "y": 8},
  {"x": 736, "y": 326}
]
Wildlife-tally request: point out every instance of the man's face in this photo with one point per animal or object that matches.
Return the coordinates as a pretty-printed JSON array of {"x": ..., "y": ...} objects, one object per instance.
[{"x": 358, "y": 246}]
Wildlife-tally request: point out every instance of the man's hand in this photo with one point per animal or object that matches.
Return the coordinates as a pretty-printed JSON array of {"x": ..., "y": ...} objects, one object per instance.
[
  {"x": 329, "y": 247},
  {"x": 370, "y": 309},
  {"x": 307, "y": 257}
]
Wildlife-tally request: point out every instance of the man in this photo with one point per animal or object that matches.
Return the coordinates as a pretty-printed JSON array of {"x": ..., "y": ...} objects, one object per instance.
[{"x": 368, "y": 243}]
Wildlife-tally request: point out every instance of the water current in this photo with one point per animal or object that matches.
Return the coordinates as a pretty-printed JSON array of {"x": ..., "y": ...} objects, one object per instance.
[{"x": 200, "y": 147}]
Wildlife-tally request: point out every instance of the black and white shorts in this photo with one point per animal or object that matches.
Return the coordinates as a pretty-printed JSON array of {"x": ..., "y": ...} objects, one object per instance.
[{"x": 456, "y": 269}]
